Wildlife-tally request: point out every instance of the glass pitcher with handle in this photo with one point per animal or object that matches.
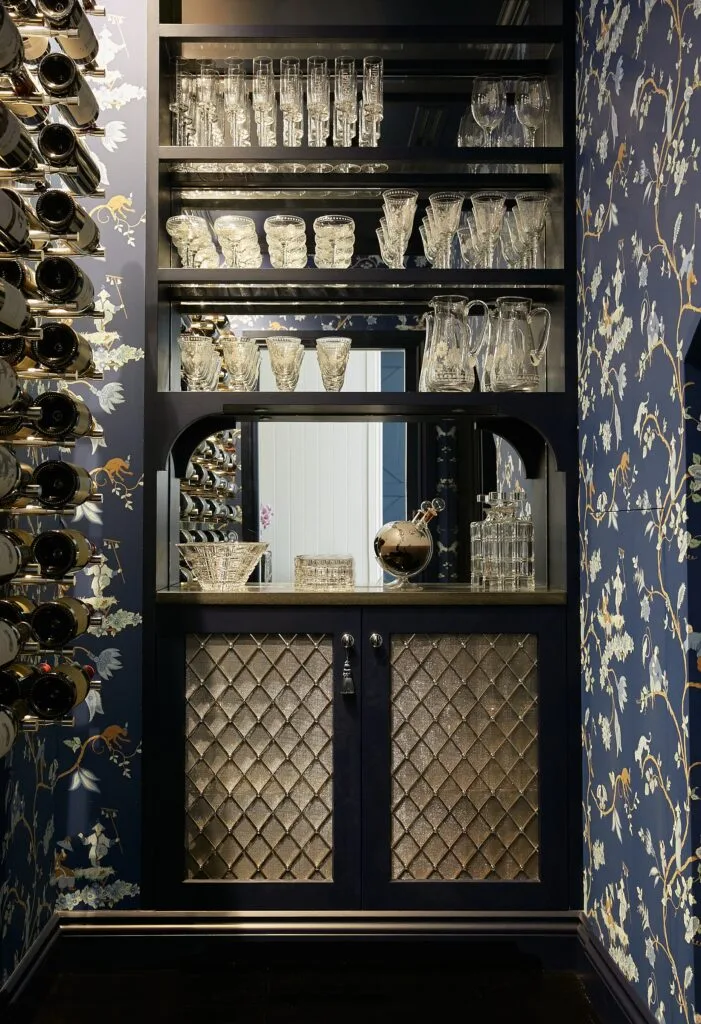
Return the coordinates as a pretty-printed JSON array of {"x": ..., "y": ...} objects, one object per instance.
[
  {"x": 514, "y": 355},
  {"x": 450, "y": 351}
]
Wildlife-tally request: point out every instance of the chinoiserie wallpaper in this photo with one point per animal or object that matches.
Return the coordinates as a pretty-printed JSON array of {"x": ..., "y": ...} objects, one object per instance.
[
  {"x": 71, "y": 796},
  {"x": 639, "y": 108}
]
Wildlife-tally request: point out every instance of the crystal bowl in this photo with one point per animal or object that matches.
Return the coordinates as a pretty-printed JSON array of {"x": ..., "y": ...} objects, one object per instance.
[{"x": 222, "y": 566}]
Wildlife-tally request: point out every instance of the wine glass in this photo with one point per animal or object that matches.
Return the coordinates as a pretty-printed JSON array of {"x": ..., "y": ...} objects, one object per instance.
[
  {"x": 531, "y": 106},
  {"x": 488, "y": 104}
]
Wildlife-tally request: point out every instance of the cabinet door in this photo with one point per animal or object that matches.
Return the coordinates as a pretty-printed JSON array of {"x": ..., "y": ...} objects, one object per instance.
[
  {"x": 264, "y": 748},
  {"x": 464, "y": 758}
]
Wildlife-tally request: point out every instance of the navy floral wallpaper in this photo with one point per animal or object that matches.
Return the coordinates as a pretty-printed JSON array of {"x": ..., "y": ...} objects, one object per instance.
[
  {"x": 70, "y": 814},
  {"x": 639, "y": 105}
]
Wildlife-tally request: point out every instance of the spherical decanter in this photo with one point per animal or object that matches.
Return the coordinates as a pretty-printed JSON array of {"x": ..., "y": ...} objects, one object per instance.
[{"x": 404, "y": 548}]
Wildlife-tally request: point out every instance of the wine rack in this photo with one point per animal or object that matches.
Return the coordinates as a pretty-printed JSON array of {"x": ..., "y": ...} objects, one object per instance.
[{"x": 48, "y": 52}]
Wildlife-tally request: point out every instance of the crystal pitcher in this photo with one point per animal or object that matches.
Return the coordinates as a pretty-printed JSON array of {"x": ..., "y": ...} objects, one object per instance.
[
  {"x": 449, "y": 353},
  {"x": 513, "y": 357}
]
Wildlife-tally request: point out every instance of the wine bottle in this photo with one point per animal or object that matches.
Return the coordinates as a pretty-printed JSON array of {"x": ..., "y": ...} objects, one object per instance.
[
  {"x": 61, "y": 484},
  {"x": 14, "y": 225},
  {"x": 12, "y": 65},
  {"x": 13, "y": 680},
  {"x": 16, "y": 484},
  {"x": 61, "y": 281},
  {"x": 17, "y": 608},
  {"x": 60, "y": 147},
  {"x": 17, "y": 152},
  {"x": 9, "y": 729},
  {"x": 61, "y": 349},
  {"x": 20, "y": 275},
  {"x": 56, "y": 624},
  {"x": 13, "y": 398},
  {"x": 60, "y": 552},
  {"x": 61, "y": 78},
  {"x": 21, "y": 9},
  {"x": 15, "y": 316},
  {"x": 13, "y": 637},
  {"x": 54, "y": 693},
  {"x": 15, "y": 553},
  {"x": 62, "y": 416},
  {"x": 61, "y": 215},
  {"x": 63, "y": 15},
  {"x": 187, "y": 507},
  {"x": 13, "y": 348}
]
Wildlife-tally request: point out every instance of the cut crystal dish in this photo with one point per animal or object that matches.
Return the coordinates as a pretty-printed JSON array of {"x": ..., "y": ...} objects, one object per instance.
[{"x": 222, "y": 565}]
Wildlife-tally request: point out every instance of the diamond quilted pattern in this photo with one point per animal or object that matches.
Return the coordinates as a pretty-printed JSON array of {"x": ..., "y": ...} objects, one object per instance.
[
  {"x": 259, "y": 754},
  {"x": 464, "y": 757}
]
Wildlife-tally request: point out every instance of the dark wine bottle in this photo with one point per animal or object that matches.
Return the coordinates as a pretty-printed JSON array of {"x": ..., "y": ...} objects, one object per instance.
[
  {"x": 14, "y": 225},
  {"x": 13, "y": 398},
  {"x": 60, "y": 552},
  {"x": 15, "y": 553},
  {"x": 63, "y": 15},
  {"x": 12, "y": 55},
  {"x": 17, "y": 608},
  {"x": 62, "y": 416},
  {"x": 60, "y": 147},
  {"x": 60, "y": 280},
  {"x": 17, "y": 152},
  {"x": 56, "y": 624},
  {"x": 61, "y": 349},
  {"x": 15, "y": 316},
  {"x": 53, "y": 694},
  {"x": 13, "y": 637},
  {"x": 61, "y": 484},
  {"x": 13, "y": 680},
  {"x": 20, "y": 275},
  {"x": 61, "y": 215},
  {"x": 61, "y": 79},
  {"x": 9, "y": 729},
  {"x": 15, "y": 479}
]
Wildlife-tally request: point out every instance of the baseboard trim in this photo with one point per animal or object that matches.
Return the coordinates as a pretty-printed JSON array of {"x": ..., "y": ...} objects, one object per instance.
[
  {"x": 94, "y": 937},
  {"x": 611, "y": 994},
  {"x": 30, "y": 963}
]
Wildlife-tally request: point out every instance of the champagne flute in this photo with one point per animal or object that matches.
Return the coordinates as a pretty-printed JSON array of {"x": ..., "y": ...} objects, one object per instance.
[{"x": 488, "y": 104}]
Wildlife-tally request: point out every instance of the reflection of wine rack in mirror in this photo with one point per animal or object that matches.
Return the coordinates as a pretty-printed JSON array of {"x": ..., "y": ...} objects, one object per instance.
[
  {"x": 48, "y": 51},
  {"x": 210, "y": 494}
]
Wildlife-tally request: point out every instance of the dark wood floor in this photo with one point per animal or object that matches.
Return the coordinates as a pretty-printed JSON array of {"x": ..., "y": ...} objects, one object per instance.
[{"x": 320, "y": 988}]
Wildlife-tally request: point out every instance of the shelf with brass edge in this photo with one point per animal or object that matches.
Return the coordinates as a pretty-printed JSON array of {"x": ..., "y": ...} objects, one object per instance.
[{"x": 424, "y": 594}]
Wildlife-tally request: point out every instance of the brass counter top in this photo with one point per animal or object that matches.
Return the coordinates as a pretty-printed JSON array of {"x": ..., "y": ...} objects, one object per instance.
[{"x": 427, "y": 594}]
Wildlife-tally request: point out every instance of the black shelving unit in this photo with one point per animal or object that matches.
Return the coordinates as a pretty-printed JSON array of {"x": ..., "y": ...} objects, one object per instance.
[{"x": 424, "y": 64}]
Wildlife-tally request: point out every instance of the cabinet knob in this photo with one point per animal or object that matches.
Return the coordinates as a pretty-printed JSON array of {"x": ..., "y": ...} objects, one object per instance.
[
  {"x": 348, "y": 640},
  {"x": 376, "y": 640}
]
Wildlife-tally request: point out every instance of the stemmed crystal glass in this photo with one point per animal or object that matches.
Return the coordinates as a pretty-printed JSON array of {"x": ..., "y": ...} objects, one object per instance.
[
  {"x": 318, "y": 100},
  {"x": 488, "y": 209},
  {"x": 200, "y": 362},
  {"x": 345, "y": 101},
  {"x": 444, "y": 212},
  {"x": 287, "y": 241},
  {"x": 531, "y": 210},
  {"x": 332, "y": 354},
  {"x": 372, "y": 103},
  {"x": 291, "y": 101},
  {"x": 209, "y": 110},
  {"x": 488, "y": 104},
  {"x": 193, "y": 241},
  {"x": 469, "y": 132},
  {"x": 399, "y": 207},
  {"x": 334, "y": 237},
  {"x": 236, "y": 104},
  {"x": 264, "y": 103},
  {"x": 471, "y": 247},
  {"x": 286, "y": 354},
  {"x": 532, "y": 104},
  {"x": 242, "y": 361},
  {"x": 238, "y": 240}
]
